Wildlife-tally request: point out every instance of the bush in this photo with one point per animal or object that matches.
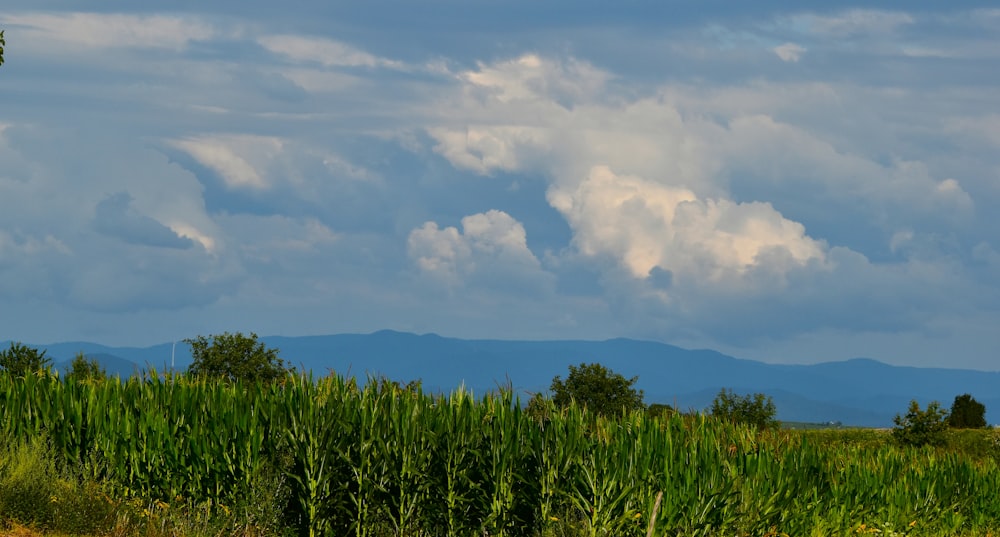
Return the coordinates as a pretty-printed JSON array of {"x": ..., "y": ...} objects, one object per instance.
[
  {"x": 757, "y": 410},
  {"x": 921, "y": 427},
  {"x": 33, "y": 492}
]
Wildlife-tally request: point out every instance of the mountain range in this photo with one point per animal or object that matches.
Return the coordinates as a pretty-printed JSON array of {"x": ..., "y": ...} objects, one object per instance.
[{"x": 860, "y": 392}]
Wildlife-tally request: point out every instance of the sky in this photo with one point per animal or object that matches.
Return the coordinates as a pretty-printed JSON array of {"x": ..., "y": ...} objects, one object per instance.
[{"x": 792, "y": 182}]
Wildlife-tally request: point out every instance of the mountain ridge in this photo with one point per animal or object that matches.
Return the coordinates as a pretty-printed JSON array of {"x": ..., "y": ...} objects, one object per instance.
[{"x": 857, "y": 391}]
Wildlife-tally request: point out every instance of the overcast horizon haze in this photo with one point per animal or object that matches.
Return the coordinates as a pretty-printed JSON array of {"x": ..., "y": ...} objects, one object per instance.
[{"x": 785, "y": 182}]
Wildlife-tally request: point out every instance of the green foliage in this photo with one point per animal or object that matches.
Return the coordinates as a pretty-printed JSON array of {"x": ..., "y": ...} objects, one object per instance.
[
  {"x": 34, "y": 492},
  {"x": 540, "y": 408},
  {"x": 194, "y": 456},
  {"x": 85, "y": 369},
  {"x": 600, "y": 390},
  {"x": 2, "y": 44},
  {"x": 757, "y": 410},
  {"x": 20, "y": 359},
  {"x": 967, "y": 413},
  {"x": 921, "y": 427},
  {"x": 657, "y": 410},
  {"x": 235, "y": 357}
]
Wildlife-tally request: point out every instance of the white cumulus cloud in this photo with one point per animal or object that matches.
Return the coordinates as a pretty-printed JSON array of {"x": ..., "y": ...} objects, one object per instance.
[
  {"x": 645, "y": 225},
  {"x": 491, "y": 250}
]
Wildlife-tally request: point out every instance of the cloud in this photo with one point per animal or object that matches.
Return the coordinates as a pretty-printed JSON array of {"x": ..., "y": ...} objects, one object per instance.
[
  {"x": 109, "y": 30},
  {"x": 789, "y": 52},
  {"x": 657, "y": 191},
  {"x": 115, "y": 217},
  {"x": 485, "y": 150},
  {"x": 779, "y": 152},
  {"x": 645, "y": 226},
  {"x": 531, "y": 78},
  {"x": 981, "y": 130},
  {"x": 324, "y": 51},
  {"x": 29, "y": 264},
  {"x": 644, "y": 184},
  {"x": 490, "y": 251},
  {"x": 236, "y": 158},
  {"x": 851, "y": 22}
]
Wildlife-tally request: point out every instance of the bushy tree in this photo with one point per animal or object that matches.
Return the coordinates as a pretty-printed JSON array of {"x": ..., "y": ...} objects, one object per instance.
[
  {"x": 235, "y": 357},
  {"x": 967, "y": 413},
  {"x": 86, "y": 369},
  {"x": 921, "y": 427},
  {"x": 20, "y": 359},
  {"x": 598, "y": 388},
  {"x": 757, "y": 409}
]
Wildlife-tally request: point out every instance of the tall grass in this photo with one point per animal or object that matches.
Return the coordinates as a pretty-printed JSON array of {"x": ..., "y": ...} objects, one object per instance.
[{"x": 380, "y": 460}]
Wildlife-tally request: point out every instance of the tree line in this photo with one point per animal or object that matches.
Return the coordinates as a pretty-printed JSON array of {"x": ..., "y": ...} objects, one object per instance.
[{"x": 234, "y": 356}]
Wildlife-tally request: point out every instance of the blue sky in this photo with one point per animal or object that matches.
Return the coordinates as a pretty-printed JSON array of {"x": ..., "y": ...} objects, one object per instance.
[{"x": 791, "y": 182}]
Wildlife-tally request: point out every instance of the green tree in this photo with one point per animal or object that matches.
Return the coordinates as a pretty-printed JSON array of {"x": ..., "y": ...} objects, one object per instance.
[
  {"x": 967, "y": 413},
  {"x": 598, "y": 388},
  {"x": 235, "y": 357},
  {"x": 921, "y": 427},
  {"x": 86, "y": 369},
  {"x": 757, "y": 409},
  {"x": 20, "y": 359},
  {"x": 2, "y": 44}
]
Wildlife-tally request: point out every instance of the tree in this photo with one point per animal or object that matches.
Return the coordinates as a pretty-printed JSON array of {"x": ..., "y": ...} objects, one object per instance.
[
  {"x": 2, "y": 44},
  {"x": 85, "y": 369},
  {"x": 921, "y": 427},
  {"x": 597, "y": 388},
  {"x": 235, "y": 357},
  {"x": 967, "y": 413},
  {"x": 757, "y": 409},
  {"x": 20, "y": 359}
]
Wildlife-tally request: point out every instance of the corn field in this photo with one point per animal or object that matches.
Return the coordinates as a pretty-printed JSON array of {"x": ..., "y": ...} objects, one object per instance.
[{"x": 380, "y": 460}]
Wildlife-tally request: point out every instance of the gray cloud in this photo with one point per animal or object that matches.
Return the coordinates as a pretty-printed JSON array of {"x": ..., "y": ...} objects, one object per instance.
[
  {"x": 115, "y": 217},
  {"x": 572, "y": 178}
]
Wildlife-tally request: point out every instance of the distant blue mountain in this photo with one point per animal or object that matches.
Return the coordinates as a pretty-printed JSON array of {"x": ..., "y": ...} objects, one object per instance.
[
  {"x": 113, "y": 365},
  {"x": 860, "y": 392}
]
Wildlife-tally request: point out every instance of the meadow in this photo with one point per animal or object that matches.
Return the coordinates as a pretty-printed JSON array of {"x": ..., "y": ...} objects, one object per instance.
[{"x": 172, "y": 455}]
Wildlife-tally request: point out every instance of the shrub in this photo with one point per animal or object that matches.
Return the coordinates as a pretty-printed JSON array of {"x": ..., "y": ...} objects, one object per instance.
[
  {"x": 921, "y": 427},
  {"x": 757, "y": 409},
  {"x": 33, "y": 492}
]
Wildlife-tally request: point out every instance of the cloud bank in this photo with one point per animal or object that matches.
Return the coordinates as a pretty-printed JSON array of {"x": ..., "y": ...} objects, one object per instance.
[{"x": 764, "y": 182}]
